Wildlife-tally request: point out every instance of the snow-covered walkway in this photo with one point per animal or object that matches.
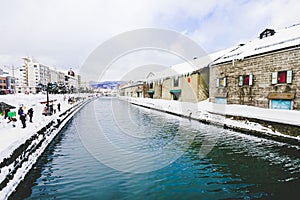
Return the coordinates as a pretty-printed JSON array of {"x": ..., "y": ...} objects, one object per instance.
[
  {"x": 216, "y": 113},
  {"x": 21, "y": 147},
  {"x": 11, "y": 137}
]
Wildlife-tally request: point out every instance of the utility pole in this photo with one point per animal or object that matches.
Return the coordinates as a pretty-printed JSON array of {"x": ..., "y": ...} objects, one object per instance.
[
  {"x": 13, "y": 71},
  {"x": 48, "y": 104}
]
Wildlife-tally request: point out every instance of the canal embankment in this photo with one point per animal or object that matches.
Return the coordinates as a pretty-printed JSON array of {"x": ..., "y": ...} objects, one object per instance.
[
  {"x": 22, "y": 151},
  {"x": 279, "y": 125},
  {"x": 114, "y": 150}
]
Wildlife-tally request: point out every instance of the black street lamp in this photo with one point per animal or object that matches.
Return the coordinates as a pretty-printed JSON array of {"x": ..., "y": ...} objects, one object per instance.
[{"x": 48, "y": 106}]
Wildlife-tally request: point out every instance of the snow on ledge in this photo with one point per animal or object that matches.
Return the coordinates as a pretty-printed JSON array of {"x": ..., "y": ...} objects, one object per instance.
[{"x": 215, "y": 113}]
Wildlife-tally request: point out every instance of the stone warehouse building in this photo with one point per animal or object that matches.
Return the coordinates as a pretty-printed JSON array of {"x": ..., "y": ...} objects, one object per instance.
[
  {"x": 134, "y": 89},
  {"x": 190, "y": 87},
  {"x": 186, "y": 82},
  {"x": 264, "y": 72}
]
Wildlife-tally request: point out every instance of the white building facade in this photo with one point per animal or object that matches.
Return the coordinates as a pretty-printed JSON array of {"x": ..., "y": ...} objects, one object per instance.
[{"x": 32, "y": 73}]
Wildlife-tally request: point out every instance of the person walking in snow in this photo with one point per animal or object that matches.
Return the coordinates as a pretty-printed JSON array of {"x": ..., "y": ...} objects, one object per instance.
[
  {"x": 45, "y": 110},
  {"x": 30, "y": 114},
  {"x": 51, "y": 109},
  {"x": 58, "y": 107},
  {"x": 22, "y": 117}
]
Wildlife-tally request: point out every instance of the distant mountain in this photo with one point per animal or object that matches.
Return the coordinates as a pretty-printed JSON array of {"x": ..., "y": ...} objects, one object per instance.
[{"x": 107, "y": 85}]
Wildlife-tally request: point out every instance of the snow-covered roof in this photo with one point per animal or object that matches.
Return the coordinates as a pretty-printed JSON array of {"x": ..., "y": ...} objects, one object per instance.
[
  {"x": 190, "y": 66},
  {"x": 131, "y": 83},
  {"x": 283, "y": 38},
  {"x": 6, "y": 75}
]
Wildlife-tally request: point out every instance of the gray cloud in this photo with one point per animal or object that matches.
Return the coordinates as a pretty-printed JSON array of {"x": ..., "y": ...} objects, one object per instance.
[{"x": 64, "y": 32}]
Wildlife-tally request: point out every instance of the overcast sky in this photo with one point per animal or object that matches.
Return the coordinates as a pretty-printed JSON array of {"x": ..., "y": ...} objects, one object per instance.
[{"x": 63, "y": 33}]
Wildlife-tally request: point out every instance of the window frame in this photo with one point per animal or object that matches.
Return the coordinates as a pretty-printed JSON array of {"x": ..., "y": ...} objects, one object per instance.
[
  {"x": 242, "y": 80},
  {"x": 276, "y": 75},
  {"x": 151, "y": 85},
  {"x": 176, "y": 81},
  {"x": 218, "y": 84}
]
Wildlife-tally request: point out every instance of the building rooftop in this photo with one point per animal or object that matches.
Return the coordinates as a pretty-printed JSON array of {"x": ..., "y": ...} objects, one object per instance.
[
  {"x": 190, "y": 66},
  {"x": 269, "y": 40}
]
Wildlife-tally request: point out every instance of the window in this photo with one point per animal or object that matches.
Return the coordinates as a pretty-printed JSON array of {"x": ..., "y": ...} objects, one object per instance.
[
  {"x": 151, "y": 95},
  {"x": 175, "y": 94},
  {"x": 175, "y": 97},
  {"x": 282, "y": 77},
  {"x": 151, "y": 86},
  {"x": 221, "y": 100},
  {"x": 246, "y": 80},
  {"x": 281, "y": 104},
  {"x": 175, "y": 81},
  {"x": 267, "y": 33},
  {"x": 221, "y": 82}
]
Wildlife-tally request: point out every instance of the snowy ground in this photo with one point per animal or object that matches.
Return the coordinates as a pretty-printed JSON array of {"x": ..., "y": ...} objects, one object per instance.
[
  {"x": 12, "y": 137},
  {"x": 215, "y": 113},
  {"x": 14, "y": 169}
]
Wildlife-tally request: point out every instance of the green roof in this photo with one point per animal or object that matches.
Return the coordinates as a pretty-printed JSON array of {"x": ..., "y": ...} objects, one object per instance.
[{"x": 175, "y": 91}]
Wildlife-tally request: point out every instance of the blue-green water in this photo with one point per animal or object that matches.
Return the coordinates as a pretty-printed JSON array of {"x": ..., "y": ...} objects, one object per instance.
[{"x": 237, "y": 167}]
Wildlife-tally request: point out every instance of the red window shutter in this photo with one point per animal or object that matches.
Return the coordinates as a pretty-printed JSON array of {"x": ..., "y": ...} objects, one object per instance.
[
  {"x": 246, "y": 80},
  {"x": 282, "y": 77}
]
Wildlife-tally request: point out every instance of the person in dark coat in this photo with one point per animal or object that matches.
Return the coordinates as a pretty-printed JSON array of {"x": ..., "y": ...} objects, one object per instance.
[
  {"x": 51, "y": 109},
  {"x": 22, "y": 117},
  {"x": 58, "y": 107},
  {"x": 30, "y": 114}
]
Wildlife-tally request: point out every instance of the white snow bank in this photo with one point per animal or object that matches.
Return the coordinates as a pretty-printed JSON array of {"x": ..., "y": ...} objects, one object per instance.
[
  {"x": 215, "y": 113},
  {"x": 12, "y": 137}
]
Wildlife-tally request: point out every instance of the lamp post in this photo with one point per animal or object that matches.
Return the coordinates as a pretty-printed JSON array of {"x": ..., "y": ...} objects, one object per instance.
[{"x": 48, "y": 106}]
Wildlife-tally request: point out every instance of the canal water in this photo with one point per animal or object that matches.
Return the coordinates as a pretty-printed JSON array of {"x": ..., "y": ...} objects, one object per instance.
[{"x": 114, "y": 150}]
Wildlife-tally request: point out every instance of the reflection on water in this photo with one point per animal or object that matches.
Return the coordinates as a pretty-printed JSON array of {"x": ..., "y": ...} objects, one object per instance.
[{"x": 238, "y": 167}]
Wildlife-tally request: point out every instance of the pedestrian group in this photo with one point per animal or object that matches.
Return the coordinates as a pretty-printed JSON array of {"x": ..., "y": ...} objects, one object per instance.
[{"x": 23, "y": 116}]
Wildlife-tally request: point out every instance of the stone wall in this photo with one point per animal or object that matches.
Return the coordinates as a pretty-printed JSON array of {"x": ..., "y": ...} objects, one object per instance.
[
  {"x": 166, "y": 87},
  {"x": 261, "y": 67},
  {"x": 134, "y": 91},
  {"x": 194, "y": 87},
  {"x": 157, "y": 90}
]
